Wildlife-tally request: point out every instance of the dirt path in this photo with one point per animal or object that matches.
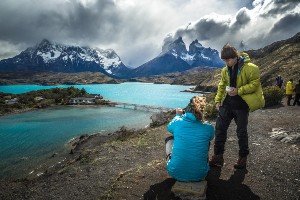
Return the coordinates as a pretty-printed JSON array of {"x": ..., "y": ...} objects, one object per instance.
[{"x": 131, "y": 166}]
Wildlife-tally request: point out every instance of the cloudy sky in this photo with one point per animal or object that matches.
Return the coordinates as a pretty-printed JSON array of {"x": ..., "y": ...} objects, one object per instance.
[{"x": 137, "y": 29}]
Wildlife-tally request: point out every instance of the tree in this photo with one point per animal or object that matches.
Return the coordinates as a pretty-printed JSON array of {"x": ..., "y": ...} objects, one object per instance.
[{"x": 83, "y": 92}]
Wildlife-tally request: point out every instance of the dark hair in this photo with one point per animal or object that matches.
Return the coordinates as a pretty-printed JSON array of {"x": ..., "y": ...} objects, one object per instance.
[
  {"x": 229, "y": 52},
  {"x": 196, "y": 106}
]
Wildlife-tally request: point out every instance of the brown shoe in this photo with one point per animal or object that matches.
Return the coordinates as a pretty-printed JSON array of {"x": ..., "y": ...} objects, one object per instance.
[
  {"x": 216, "y": 161},
  {"x": 241, "y": 163}
]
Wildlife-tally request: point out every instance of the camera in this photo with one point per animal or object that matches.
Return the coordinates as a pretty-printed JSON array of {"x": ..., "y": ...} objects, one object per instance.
[{"x": 229, "y": 89}]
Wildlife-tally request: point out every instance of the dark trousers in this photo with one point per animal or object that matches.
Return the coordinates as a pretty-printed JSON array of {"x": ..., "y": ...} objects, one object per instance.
[
  {"x": 297, "y": 100},
  {"x": 289, "y": 98},
  {"x": 240, "y": 117}
]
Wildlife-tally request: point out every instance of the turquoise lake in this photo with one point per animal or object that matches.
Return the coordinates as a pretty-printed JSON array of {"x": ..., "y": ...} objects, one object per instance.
[
  {"x": 131, "y": 92},
  {"x": 26, "y": 139}
]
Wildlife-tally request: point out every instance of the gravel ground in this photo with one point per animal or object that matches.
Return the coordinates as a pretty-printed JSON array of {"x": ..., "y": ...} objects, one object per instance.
[{"x": 130, "y": 165}]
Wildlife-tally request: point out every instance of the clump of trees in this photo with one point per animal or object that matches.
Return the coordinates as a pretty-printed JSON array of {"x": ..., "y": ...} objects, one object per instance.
[{"x": 43, "y": 98}]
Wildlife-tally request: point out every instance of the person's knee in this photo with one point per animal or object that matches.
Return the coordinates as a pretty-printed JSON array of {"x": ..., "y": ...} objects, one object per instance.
[{"x": 169, "y": 138}]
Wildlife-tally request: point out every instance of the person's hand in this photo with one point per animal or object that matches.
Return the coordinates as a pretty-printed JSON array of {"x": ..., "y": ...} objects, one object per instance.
[
  {"x": 218, "y": 104},
  {"x": 234, "y": 92},
  {"x": 179, "y": 111}
]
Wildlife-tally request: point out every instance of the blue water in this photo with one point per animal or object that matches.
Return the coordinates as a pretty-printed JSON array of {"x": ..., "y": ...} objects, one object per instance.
[
  {"x": 27, "y": 137},
  {"x": 131, "y": 92}
]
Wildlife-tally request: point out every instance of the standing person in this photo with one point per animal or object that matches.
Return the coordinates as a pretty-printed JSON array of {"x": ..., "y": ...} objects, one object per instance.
[
  {"x": 239, "y": 92},
  {"x": 187, "y": 149},
  {"x": 279, "y": 81},
  {"x": 289, "y": 89},
  {"x": 297, "y": 95}
]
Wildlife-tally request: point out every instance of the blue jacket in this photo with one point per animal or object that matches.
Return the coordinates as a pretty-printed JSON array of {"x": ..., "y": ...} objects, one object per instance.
[{"x": 189, "y": 161}]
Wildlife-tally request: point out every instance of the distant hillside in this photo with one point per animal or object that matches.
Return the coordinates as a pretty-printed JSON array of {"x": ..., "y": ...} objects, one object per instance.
[
  {"x": 192, "y": 77},
  {"x": 55, "y": 78},
  {"x": 282, "y": 57}
]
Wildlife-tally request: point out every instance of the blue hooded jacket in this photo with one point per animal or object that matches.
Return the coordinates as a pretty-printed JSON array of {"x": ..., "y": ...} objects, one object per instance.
[{"x": 189, "y": 160}]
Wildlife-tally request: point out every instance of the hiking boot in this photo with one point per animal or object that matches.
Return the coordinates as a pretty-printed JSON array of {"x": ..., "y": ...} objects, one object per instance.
[
  {"x": 216, "y": 161},
  {"x": 241, "y": 163}
]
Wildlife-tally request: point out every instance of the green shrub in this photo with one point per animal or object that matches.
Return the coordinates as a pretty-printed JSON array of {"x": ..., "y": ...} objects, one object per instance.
[
  {"x": 211, "y": 112},
  {"x": 210, "y": 98},
  {"x": 273, "y": 95}
]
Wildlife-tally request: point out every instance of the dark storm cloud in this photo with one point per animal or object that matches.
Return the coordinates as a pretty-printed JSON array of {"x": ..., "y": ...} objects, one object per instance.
[
  {"x": 70, "y": 19},
  {"x": 281, "y": 6},
  {"x": 289, "y": 23},
  {"x": 285, "y": 1},
  {"x": 242, "y": 19},
  {"x": 207, "y": 29},
  {"x": 204, "y": 29},
  {"x": 212, "y": 27}
]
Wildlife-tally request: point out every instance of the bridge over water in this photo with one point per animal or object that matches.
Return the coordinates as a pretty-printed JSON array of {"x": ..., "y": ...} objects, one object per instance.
[{"x": 142, "y": 107}]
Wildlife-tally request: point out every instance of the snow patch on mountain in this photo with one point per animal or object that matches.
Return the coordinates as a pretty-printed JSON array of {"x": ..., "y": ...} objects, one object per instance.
[
  {"x": 188, "y": 58},
  {"x": 196, "y": 55}
]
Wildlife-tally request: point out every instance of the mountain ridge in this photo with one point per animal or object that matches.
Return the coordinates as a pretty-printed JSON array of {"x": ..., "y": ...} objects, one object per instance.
[
  {"x": 174, "y": 57},
  {"x": 281, "y": 57},
  {"x": 55, "y": 57}
]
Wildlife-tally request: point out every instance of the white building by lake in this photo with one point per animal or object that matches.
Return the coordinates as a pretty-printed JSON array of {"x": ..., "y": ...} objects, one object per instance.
[{"x": 82, "y": 100}]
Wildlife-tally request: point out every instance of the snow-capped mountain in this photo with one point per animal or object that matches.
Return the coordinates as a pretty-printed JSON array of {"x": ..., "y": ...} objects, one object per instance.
[
  {"x": 175, "y": 57},
  {"x": 201, "y": 56},
  {"x": 49, "y": 56}
]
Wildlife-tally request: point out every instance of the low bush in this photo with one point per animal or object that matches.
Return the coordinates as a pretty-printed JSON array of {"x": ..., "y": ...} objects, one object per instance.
[
  {"x": 273, "y": 95},
  {"x": 211, "y": 112}
]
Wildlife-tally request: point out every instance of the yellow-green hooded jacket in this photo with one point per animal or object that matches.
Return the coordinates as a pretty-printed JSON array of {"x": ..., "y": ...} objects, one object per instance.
[
  {"x": 289, "y": 89},
  {"x": 248, "y": 84}
]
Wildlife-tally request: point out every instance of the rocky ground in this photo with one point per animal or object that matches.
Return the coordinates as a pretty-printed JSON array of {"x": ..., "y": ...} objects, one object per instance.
[{"x": 131, "y": 165}]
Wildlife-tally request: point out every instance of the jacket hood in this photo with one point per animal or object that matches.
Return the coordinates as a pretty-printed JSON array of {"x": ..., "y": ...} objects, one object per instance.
[
  {"x": 190, "y": 116},
  {"x": 245, "y": 56}
]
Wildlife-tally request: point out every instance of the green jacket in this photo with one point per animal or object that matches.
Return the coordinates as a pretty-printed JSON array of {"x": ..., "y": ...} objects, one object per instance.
[
  {"x": 248, "y": 84},
  {"x": 289, "y": 88}
]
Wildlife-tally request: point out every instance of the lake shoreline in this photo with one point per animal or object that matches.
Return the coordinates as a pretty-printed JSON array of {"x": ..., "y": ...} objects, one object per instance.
[
  {"x": 39, "y": 161},
  {"x": 24, "y": 110},
  {"x": 131, "y": 165}
]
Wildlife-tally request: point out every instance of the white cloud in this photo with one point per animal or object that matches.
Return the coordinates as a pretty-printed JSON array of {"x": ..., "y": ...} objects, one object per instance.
[{"x": 137, "y": 29}]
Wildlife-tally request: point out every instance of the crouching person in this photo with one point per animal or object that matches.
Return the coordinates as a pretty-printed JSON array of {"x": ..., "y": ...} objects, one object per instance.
[{"x": 187, "y": 148}]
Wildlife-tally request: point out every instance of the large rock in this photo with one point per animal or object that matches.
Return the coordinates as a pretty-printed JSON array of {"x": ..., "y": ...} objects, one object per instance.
[{"x": 158, "y": 119}]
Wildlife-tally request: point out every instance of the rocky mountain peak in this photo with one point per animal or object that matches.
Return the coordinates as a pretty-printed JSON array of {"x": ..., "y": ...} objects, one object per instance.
[
  {"x": 179, "y": 40},
  {"x": 196, "y": 42},
  {"x": 175, "y": 57},
  {"x": 44, "y": 42},
  {"x": 44, "y": 45},
  {"x": 177, "y": 47},
  {"x": 195, "y": 47}
]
